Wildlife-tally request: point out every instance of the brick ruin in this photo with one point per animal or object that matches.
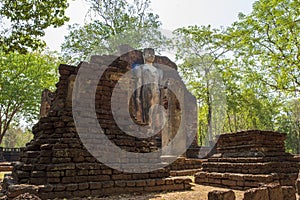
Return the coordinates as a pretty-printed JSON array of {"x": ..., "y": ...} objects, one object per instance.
[
  {"x": 272, "y": 191},
  {"x": 56, "y": 164},
  {"x": 248, "y": 159},
  {"x": 47, "y": 98}
]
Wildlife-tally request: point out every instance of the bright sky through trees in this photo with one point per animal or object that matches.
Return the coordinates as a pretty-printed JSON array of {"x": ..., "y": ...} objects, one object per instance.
[{"x": 173, "y": 14}]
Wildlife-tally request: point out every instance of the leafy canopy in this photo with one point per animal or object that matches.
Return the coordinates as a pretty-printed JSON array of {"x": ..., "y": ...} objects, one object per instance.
[
  {"x": 16, "y": 138},
  {"x": 197, "y": 49},
  {"x": 23, "y": 22},
  {"x": 111, "y": 23},
  {"x": 267, "y": 43}
]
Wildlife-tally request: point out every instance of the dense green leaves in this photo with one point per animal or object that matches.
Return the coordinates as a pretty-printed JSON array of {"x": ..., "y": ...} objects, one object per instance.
[
  {"x": 113, "y": 23},
  {"x": 267, "y": 43},
  {"x": 23, "y": 22},
  {"x": 22, "y": 80},
  {"x": 288, "y": 121}
]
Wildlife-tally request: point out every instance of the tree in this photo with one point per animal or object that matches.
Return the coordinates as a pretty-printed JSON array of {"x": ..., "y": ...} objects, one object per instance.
[
  {"x": 249, "y": 105},
  {"x": 114, "y": 22},
  {"x": 23, "y": 22},
  {"x": 16, "y": 138},
  {"x": 197, "y": 48},
  {"x": 22, "y": 80},
  {"x": 266, "y": 43}
]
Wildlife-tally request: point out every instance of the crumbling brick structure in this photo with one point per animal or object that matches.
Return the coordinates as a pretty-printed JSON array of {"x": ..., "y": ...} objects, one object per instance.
[
  {"x": 47, "y": 98},
  {"x": 247, "y": 159},
  {"x": 57, "y": 164}
]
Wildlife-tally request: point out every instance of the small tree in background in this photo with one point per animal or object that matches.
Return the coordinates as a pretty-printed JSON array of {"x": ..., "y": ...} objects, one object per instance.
[
  {"x": 16, "y": 138},
  {"x": 22, "y": 80}
]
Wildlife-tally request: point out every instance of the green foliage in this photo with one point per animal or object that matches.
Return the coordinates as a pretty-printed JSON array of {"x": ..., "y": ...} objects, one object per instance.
[
  {"x": 249, "y": 108},
  {"x": 16, "y": 138},
  {"x": 267, "y": 43},
  {"x": 196, "y": 48},
  {"x": 288, "y": 121},
  {"x": 265, "y": 46},
  {"x": 113, "y": 23},
  {"x": 22, "y": 80},
  {"x": 23, "y": 22}
]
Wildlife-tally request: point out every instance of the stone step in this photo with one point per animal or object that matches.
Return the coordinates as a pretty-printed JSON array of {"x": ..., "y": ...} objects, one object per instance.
[
  {"x": 185, "y": 163},
  {"x": 6, "y": 166},
  {"x": 187, "y": 172},
  {"x": 234, "y": 180},
  {"x": 285, "y": 157},
  {"x": 251, "y": 168},
  {"x": 253, "y": 145}
]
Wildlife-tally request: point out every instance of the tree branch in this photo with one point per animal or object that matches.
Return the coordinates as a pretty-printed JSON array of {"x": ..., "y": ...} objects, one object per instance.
[
  {"x": 276, "y": 87},
  {"x": 8, "y": 120}
]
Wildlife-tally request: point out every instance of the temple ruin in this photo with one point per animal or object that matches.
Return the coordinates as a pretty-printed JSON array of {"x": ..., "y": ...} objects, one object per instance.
[{"x": 56, "y": 163}]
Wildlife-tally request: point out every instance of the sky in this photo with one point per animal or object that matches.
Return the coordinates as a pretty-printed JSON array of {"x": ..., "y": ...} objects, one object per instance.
[{"x": 172, "y": 13}]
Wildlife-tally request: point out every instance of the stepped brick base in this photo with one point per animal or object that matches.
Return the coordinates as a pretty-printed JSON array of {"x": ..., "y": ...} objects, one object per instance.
[
  {"x": 234, "y": 180},
  {"x": 6, "y": 166},
  {"x": 298, "y": 184},
  {"x": 186, "y": 172},
  {"x": 247, "y": 160},
  {"x": 183, "y": 163},
  {"x": 271, "y": 192},
  {"x": 185, "y": 167}
]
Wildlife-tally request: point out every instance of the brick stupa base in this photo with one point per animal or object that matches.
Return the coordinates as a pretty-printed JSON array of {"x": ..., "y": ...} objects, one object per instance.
[{"x": 248, "y": 159}]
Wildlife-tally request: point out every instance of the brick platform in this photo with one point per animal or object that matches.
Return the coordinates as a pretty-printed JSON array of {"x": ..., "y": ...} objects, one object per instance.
[
  {"x": 185, "y": 167},
  {"x": 248, "y": 159}
]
